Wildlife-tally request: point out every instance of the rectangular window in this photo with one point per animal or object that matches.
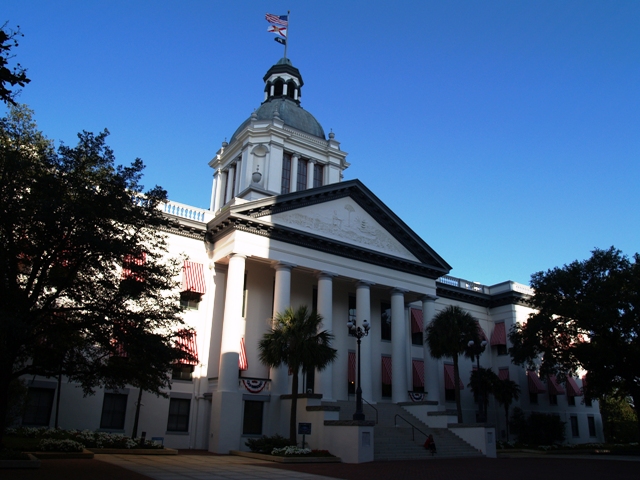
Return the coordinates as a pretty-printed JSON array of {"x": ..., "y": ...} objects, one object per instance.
[
  {"x": 302, "y": 175},
  {"x": 417, "y": 370},
  {"x": 553, "y": 399},
  {"x": 571, "y": 400},
  {"x": 314, "y": 299},
  {"x": 38, "y": 408},
  {"x": 575, "y": 432},
  {"x": 533, "y": 398},
  {"x": 318, "y": 173},
  {"x": 417, "y": 329},
  {"x": 588, "y": 402},
  {"x": 385, "y": 321},
  {"x": 502, "y": 350},
  {"x": 352, "y": 310},
  {"x": 386, "y": 377},
  {"x": 179, "y": 415},
  {"x": 190, "y": 300},
  {"x": 252, "y": 417},
  {"x": 233, "y": 183},
  {"x": 286, "y": 173},
  {"x": 182, "y": 372},
  {"x": 592, "y": 426},
  {"x": 449, "y": 395},
  {"x": 114, "y": 408}
]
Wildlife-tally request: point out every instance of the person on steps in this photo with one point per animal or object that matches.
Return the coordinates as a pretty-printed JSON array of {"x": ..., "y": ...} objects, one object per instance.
[{"x": 430, "y": 444}]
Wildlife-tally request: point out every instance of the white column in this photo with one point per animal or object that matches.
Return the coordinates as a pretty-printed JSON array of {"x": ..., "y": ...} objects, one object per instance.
[
  {"x": 230, "y": 175},
  {"x": 285, "y": 87},
  {"x": 233, "y": 326},
  {"x": 324, "y": 378},
  {"x": 363, "y": 311},
  {"x": 431, "y": 374},
  {"x": 294, "y": 172},
  {"x": 398, "y": 347},
  {"x": 310, "y": 172},
  {"x": 239, "y": 177},
  {"x": 221, "y": 180},
  {"x": 281, "y": 301}
]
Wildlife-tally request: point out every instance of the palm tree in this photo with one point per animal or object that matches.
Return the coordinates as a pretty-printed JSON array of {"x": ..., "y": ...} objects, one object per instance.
[
  {"x": 506, "y": 392},
  {"x": 448, "y": 335},
  {"x": 482, "y": 384},
  {"x": 295, "y": 340}
]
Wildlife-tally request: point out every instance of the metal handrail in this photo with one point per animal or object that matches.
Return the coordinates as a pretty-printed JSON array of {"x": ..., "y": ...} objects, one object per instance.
[
  {"x": 413, "y": 427},
  {"x": 364, "y": 400}
]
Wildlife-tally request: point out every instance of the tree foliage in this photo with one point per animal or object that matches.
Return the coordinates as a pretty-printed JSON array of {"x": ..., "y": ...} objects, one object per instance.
[
  {"x": 619, "y": 420},
  {"x": 482, "y": 383},
  {"x": 448, "y": 335},
  {"x": 10, "y": 77},
  {"x": 505, "y": 392},
  {"x": 295, "y": 340},
  {"x": 537, "y": 428},
  {"x": 587, "y": 317},
  {"x": 85, "y": 286}
]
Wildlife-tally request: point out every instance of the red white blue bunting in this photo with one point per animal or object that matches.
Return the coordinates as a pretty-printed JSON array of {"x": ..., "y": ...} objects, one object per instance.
[{"x": 254, "y": 386}]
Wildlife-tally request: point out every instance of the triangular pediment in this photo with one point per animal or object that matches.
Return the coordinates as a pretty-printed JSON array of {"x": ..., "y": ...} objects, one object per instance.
[{"x": 344, "y": 219}]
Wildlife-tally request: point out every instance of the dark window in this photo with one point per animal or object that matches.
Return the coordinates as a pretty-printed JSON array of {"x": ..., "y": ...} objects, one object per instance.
[
  {"x": 533, "y": 398},
  {"x": 279, "y": 88},
  {"x": 252, "y": 418},
  {"x": 450, "y": 395},
  {"x": 592, "y": 426},
  {"x": 310, "y": 378},
  {"x": 587, "y": 402},
  {"x": 553, "y": 399},
  {"x": 302, "y": 175},
  {"x": 318, "y": 173},
  {"x": 352, "y": 310},
  {"x": 233, "y": 182},
  {"x": 571, "y": 401},
  {"x": 314, "y": 299},
  {"x": 190, "y": 300},
  {"x": 502, "y": 350},
  {"x": 385, "y": 321},
  {"x": 286, "y": 173},
  {"x": 291, "y": 88},
  {"x": 38, "y": 409},
  {"x": 179, "y": 415},
  {"x": 182, "y": 372},
  {"x": 114, "y": 408},
  {"x": 575, "y": 432}
]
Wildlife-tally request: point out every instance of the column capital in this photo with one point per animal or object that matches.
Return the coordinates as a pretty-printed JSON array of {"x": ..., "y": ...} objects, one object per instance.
[
  {"x": 311, "y": 161},
  {"x": 364, "y": 283},
  {"x": 397, "y": 290},
  {"x": 325, "y": 274},
  {"x": 236, "y": 255},
  {"x": 282, "y": 265},
  {"x": 428, "y": 298},
  {"x": 295, "y": 155}
]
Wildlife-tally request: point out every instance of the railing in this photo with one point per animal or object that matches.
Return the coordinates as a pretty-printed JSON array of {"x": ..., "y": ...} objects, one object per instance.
[
  {"x": 413, "y": 427},
  {"x": 186, "y": 211},
  {"x": 461, "y": 283},
  {"x": 376, "y": 410}
]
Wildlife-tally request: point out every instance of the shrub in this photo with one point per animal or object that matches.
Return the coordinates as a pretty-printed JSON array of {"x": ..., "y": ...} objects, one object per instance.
[
  {"x": 54, "y": 445},
  {"x": 537, "y": 428},
  {"x": 266, "y": 444}
]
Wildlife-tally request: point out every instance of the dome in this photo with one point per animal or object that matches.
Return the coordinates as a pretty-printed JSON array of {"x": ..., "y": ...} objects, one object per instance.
[{"x": 292, "y": 114}]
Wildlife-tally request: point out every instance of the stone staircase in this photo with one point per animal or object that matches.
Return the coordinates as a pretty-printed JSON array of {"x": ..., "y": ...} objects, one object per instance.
[{"x": 396, "y": 443}]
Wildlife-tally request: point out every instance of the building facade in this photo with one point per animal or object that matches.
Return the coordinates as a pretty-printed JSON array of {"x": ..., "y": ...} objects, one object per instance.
[{"x": 284, "y": 229}]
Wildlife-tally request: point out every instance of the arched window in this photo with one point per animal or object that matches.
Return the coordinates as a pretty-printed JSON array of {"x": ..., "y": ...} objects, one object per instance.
[
  {"x": 279, "y": 88},
  {"x": 291, "y": 88}
]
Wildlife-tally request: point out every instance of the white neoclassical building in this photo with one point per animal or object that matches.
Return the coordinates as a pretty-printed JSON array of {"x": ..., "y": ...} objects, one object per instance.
[{"x": 284, "y": 229}]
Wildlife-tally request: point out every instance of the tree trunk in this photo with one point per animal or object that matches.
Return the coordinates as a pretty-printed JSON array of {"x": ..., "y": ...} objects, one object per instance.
[
  {"x": 293, "y": 437},
  {"x": 56, "y": 424},
  {"x": 5, "y": 380},
  {"x": 456, "y": 379},
  {"x": 506, "y": 417},
  {"x": 134, "y": 434}
]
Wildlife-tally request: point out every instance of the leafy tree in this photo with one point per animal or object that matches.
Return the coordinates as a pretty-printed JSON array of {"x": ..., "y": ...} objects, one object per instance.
[
  {"x": 505, "y": 392},
  {"x": 10, "y": 77},
  {"x": 295, "y": 340},
  {"x": 619, "y": 420},
  {"x": 537, "y": 428},
  {"x": 448, "y": 335},
  {"x": 482, "y": 383},
  {"x": 587, "y": 317},
  {"x": 85, "y": 285}
]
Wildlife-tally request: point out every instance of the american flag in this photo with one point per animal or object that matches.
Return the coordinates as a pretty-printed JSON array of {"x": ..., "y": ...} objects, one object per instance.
[
  {"x": 277, "y": 19},
  {"x": 243, "y": 364}
]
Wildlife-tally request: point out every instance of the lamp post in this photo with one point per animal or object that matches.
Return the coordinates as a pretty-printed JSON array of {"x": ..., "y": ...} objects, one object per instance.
[
  {"x": 477, "y": 351},
  {"x": 358, "y": 332}
]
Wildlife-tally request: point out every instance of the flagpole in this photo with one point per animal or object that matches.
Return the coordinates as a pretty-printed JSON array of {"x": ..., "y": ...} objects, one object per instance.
[{"x": 286, "y": 43}]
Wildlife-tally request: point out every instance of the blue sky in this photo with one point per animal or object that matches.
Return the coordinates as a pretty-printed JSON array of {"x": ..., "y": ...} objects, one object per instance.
[{"x": 505, "y": 133}]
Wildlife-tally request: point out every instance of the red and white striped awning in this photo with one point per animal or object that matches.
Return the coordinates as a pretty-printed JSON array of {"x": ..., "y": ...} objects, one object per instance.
[
  {"x": 535, "y": 384},
  {"x": 386, "y": 370},
  {"x": 416, "y": 321},
  {"x": 186, "y": 341},
  {"x": 481, "y": 333},
  {"x": 449, "y": 378},
  {"x": 499, "y": 335},
  {"x": 573, "y": 390},
  {"x": 193, "y": 277},
  {"x": 554, "y": 387},
  {"x": 418, "y": 373},
  {"x": 503, "y": 373},
  {"x": 243, "y": 364},
  {"x": 129, "y": 264},
  {"x": 352, "y": 367}
]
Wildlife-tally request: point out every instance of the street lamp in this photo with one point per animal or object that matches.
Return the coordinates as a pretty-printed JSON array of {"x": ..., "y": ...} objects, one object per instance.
[
  {"x": 358, "y": 332},
  {"x": 477, "y": 351}
]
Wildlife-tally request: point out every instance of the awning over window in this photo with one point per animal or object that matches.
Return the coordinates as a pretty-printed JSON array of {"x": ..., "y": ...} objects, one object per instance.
[
  {"x": 243, "y": 364},
  {"x": 554, "y": 387},
  {"x": 503, "y": 374},
  {"x": 418, "y": 373},
  {"x": 386, "y": 370},
  {"x": 535, "y": 384},
  {"x": 483, "y": 336},
  {"x": 573, "y": 390},
  {"x": 186, "y": 341},
  {"x": 193, "y": 277},
  {"x": 449, "y": 378},
  {"x": 499, "y": 335},
  {"x": 129, "y": 264},
  {"x": 416, "y": 321},
  {"x": 352, "y": 368}
]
